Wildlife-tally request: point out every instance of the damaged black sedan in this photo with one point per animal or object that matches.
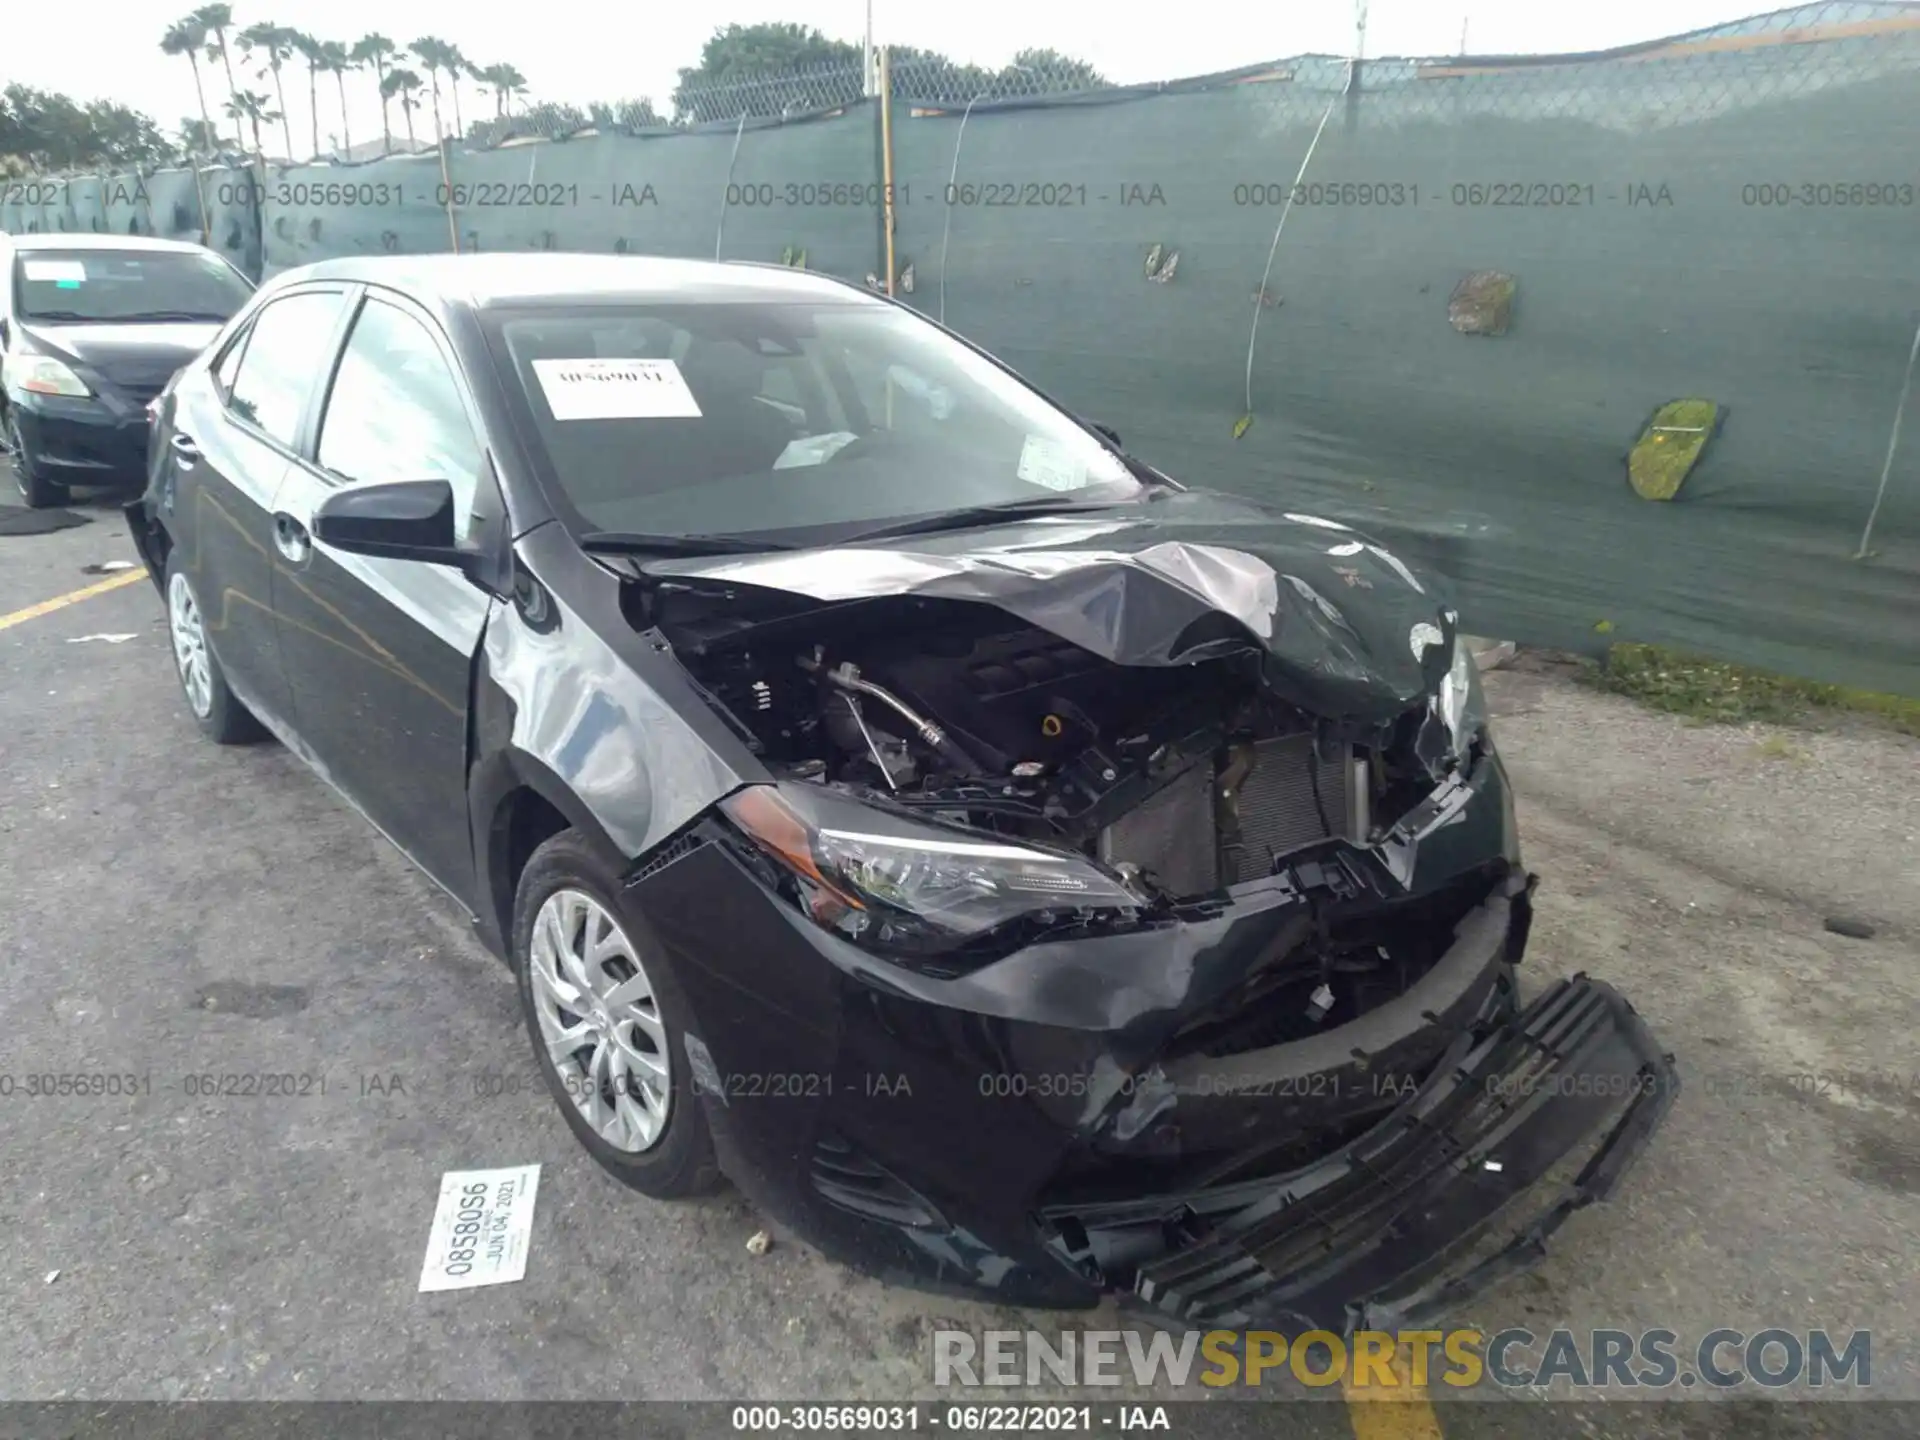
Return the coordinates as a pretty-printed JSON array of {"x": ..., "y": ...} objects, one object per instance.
[{"x": 1018, "y": 873}]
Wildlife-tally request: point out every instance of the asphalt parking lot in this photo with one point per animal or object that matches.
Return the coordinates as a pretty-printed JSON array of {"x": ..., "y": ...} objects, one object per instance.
[{"x": 176, "y": 909}]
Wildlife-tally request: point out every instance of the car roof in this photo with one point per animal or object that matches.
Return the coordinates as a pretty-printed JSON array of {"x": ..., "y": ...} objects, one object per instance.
[
  {"x": 561, "y": 278},
  {"x": 88, "y": 240}
]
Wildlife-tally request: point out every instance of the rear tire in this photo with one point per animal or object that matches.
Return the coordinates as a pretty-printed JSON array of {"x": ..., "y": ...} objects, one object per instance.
[
  {"x": 565, "y": 882},
  {"x": 40, "y": 493},
  {"x": 214, "y": 707}
]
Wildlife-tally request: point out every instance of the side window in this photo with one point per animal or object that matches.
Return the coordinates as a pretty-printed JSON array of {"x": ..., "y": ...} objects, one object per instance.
[
  {"x": 283, "y": 355},
  {"x": 229, "y": 365},
  {"x": 395, "y": 412}
]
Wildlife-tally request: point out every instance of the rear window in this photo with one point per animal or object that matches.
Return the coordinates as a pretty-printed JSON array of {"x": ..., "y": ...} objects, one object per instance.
[{"x": 84, "y": 286}]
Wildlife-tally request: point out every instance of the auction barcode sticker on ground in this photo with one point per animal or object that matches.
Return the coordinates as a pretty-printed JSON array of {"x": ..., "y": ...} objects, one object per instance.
[
  {"x": 481, "y": 1228},
  {"x": 615, "y": 390}
]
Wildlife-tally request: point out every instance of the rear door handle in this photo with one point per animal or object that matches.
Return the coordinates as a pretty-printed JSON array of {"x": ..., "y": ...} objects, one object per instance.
[
  {"x": 292, "y": 539},
  {"x": 184, "y": 447}
]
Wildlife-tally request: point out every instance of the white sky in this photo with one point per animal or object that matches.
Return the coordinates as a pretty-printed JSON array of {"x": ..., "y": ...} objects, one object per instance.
[{"x": 577, "y": 52}]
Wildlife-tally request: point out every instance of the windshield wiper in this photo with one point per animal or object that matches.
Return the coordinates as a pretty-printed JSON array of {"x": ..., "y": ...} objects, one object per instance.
[
  {"x": 627, "y": 542},
  {"x": 57, "y": 317},
  {"x": 972, "y": 515},
  {"x": 206, "y": 317}
]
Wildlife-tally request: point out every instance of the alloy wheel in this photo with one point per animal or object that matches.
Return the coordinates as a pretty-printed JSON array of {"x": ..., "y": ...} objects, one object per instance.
[
  {"x": 600, "y": 1020},
  {"x": 190, "y": 646}
]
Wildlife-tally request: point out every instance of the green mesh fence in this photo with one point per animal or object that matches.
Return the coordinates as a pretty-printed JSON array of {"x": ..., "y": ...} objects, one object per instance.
[{"x": 1442, "y": 300}]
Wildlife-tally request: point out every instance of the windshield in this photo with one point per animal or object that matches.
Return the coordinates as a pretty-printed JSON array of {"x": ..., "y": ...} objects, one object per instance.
[
  {"x": 731, "y": 419},
  {"x": 122, "y": 286}
]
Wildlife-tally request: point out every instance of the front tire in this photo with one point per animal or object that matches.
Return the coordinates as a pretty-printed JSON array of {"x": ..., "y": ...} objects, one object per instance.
[
  {"x": 604, "y": 1014},
  {"x": 40, "y": 493},
  {"x": 215, "y": 709}
]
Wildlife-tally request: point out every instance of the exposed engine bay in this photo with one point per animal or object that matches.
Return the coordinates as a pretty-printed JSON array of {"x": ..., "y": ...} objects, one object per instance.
[{"x": 1182, "y": 781}]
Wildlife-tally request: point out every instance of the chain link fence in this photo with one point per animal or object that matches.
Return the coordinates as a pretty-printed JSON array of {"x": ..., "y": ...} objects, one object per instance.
[
  {"x": 1702, "y": 73},
  {"x": 794, "y": 93},
  {"x": 916, "y": 77},
  {"x": 920, "y": 79},
  {"x": 1263, "y": 277}
]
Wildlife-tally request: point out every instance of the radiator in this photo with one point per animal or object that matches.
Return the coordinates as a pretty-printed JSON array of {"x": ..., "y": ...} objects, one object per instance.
[
  {"x": 1171, "y": 836},
  {"x": 1176, "y": 837},
  {"x": 1278, "y": 809}
]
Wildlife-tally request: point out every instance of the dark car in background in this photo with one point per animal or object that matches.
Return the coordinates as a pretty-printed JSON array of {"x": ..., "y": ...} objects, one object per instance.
[
  {"x": 1019, "y": 873},
  {"x": 92, "y": 327}
]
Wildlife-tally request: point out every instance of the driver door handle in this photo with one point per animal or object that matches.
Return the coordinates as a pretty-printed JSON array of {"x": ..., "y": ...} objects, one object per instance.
[
  {"x": 184, "y": 448},
  {"x": 291, "y": 538}
]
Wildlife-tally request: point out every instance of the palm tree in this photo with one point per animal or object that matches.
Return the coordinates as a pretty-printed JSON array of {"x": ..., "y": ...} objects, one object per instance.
[
  {"x": 308, "y": 49},
  {"x": 404, "y": 83},
  {"x": 254, "y": 107},
  {"x": 185, "y": 37},
  {"x": 376, "y": 52},
  {"x": 458, "y": 68},
  {"x": 215, "y": 20},
  {"x": 337, "y": 61},
  {"x": 276, "y": 43},
  {"x": 436, "y": 55},
  {"x": 198, "y": 137},
  {"x": 507, "y": 82}
]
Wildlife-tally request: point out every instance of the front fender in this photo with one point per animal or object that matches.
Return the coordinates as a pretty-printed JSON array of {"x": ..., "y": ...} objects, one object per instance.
[
  {"x": 494, "y": 779},
  {"x": 599, "y": 720}
]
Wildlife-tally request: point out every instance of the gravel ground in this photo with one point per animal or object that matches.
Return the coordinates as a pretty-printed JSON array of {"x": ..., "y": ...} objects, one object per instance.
[{"x": 175, "y": 908}]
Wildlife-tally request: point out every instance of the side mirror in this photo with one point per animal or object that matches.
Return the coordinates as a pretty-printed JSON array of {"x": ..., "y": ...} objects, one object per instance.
[
  {"x": 1111, "y": 434},
  {"x": 404, "y": 520}
]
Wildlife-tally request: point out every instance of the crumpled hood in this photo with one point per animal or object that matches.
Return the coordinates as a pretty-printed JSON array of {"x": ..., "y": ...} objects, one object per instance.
[{"x": 1352, "y": 630}]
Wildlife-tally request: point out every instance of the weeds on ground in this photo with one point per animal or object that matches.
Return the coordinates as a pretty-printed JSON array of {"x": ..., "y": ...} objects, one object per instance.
[{"x": 1713, "y": 692}]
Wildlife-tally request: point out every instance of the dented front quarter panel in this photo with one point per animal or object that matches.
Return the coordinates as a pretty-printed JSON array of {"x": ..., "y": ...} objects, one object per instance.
[
  {"x": 1352, "y": 631},
  {"x": 598, "y": 719}
]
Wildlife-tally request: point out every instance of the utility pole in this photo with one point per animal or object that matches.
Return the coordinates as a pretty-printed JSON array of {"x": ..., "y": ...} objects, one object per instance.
[
  {"x": 1464, "y": 19},
  {"x": 1359, "y": 29},
  {"x": 870, "y": 76}
]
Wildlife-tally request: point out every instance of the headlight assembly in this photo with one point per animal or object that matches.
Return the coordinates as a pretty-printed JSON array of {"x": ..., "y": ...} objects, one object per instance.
[
  {"x": 1462, "y": 707},
  {"x": 902, "y": 887},
  {"x": 42, "y": 375}
]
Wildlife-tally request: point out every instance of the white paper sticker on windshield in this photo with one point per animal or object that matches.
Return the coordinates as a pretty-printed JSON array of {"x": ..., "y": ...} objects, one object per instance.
[
  {"x": 55, "y": 270},
  {"x": 813, "y": 449},
  {"x": 1044, "y": 463},
  {"x": 615, "y": 390}
]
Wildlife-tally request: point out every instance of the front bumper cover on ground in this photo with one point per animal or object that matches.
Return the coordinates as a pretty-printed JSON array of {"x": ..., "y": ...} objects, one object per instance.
[{"x": 1379, "y": 1235}]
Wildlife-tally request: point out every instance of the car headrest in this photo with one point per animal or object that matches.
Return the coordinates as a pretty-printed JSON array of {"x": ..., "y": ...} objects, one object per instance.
[{"x": 720, "y": 370}]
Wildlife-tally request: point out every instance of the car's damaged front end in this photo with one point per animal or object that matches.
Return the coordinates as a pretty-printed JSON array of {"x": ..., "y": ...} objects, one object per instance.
[{"x": 1131, "y": 903}]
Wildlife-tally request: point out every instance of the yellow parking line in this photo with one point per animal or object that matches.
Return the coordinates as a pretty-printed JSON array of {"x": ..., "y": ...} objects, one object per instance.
[
  {"x": 1375, "y": 1418},
  {"x": 1401, "y": 1413},
  {"x": 60, "y": 602}
]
